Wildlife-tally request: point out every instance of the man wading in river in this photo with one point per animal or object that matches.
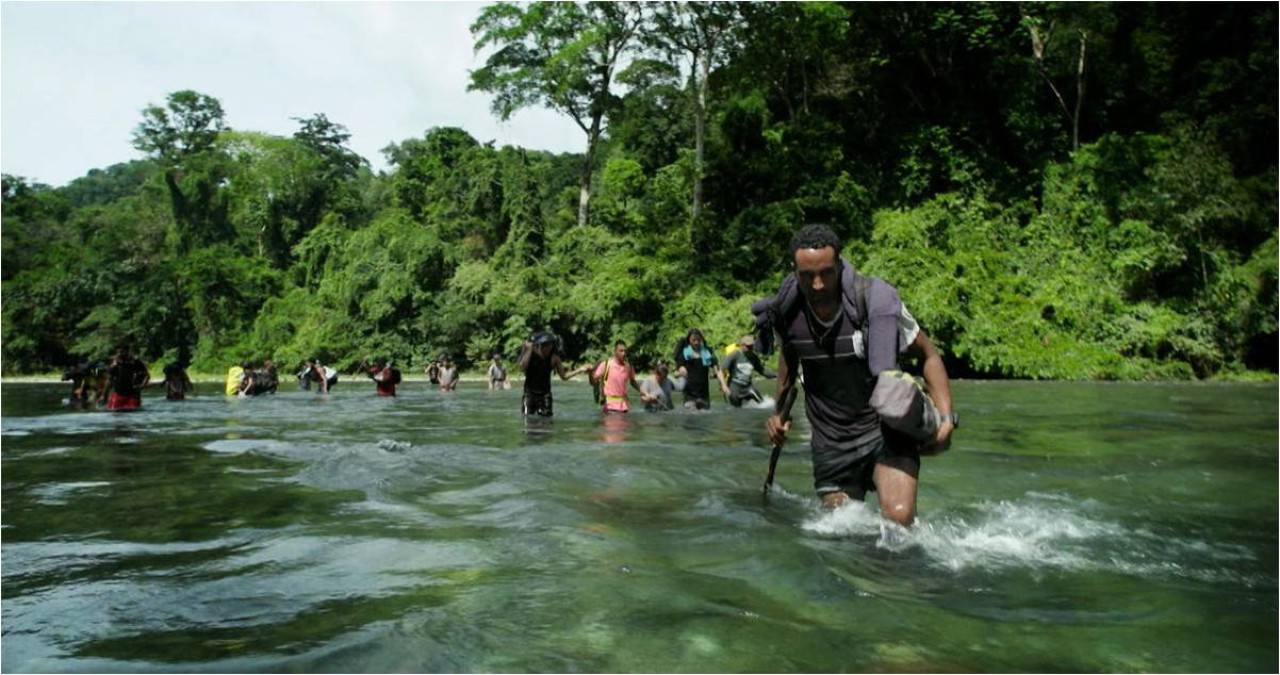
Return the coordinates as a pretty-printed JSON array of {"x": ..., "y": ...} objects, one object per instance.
[
  {"x": 843, "y": 330},
  {"x": 538, "y": 359},
  {"x": 126, "y": 378},
  {"x": 612, "y": 377}
]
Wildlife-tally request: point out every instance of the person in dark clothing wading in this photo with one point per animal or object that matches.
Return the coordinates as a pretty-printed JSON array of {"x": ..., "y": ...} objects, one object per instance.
[{"x": 838, "y": 345}]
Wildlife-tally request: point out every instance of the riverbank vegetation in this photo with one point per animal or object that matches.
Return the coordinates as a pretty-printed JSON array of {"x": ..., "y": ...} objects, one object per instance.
[{"x": 1068, "y": 191}]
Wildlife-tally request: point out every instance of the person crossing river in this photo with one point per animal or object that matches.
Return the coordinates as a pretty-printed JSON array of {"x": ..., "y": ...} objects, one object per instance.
[
  {"x": 539, "y": 357},
  {"x": 126, "y": 378},
  {"x": 659, "y": 388},
  {"x": 384, "y": 376},
  {"x": 741, "y": 365},
  {"x": 845, "y": 332},
  {"x": 695, "y": 362},
  {"x": 612, "y": 377},
  {"x": 322, "y": 375}
]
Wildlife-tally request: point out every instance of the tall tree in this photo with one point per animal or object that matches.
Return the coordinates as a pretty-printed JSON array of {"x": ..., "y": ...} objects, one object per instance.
[
  {"x": 1081, "y": 24},
  {"x": 653, "y": 121},
  {"x": 560, "y": 55},
  {"x": 424, "y": 165},
  {"x": 329, "y": 141},
  {"x": 704, "y": 33},
  {"x": 333, "y": 169},
  {"x": 182, "y": 138}
]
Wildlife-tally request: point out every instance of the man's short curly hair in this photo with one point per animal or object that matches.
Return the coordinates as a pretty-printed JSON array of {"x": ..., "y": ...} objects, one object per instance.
[{"x": 815, "y": 236}]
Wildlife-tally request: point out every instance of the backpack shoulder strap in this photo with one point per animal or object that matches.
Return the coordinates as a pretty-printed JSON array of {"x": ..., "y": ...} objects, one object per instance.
[
  {"x": 861, "y": 288},
  {"x": 599, "y": 384}
]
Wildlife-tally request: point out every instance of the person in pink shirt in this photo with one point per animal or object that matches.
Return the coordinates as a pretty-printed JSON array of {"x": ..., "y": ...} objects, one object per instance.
[{"x": 613, "y": 376}]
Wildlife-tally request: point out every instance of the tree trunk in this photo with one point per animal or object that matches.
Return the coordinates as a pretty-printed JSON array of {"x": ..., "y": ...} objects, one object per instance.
[
  {"x": 700, "y": 131},
  {"x": 588, "y": 164},
  {"x": 181, "y": 216},
  {"x": 1039, "y": 44},
  {"x": 1075, "y": 119}
]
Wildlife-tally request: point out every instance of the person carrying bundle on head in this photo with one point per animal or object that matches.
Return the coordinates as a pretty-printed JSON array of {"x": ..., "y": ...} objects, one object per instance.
[
  {"x": 384, "y": 376},
  {"x": 541, "y": 355}
]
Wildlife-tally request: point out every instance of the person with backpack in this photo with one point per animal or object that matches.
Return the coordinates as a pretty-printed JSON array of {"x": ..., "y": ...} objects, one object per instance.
[
  {"x": 695, "y": 362},
  {"x": 304, "y": 377},
  {"x": 254, "y": 382},
  {"x": 840, "y": 331},
  {"x": 384, "y": 376},
  {"x": 235, "y": 378},
  {"x": 322, "y": 375},
  {"x": 741, "y": 365},
  {"x": 611, "y": 378},
  {"x": 246, "y": 386},
  {"x": 541, "y": 355},
  {"x": 266, "y": 380},
  {"x": 88, "y": 381}
]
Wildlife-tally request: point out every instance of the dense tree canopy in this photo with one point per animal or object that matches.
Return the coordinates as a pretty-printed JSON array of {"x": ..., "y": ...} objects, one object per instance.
[{"x": 1059, "y": 190}]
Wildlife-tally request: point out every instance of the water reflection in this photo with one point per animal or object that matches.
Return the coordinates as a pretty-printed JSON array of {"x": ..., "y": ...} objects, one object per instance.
[{"x": 614, "y": 427}]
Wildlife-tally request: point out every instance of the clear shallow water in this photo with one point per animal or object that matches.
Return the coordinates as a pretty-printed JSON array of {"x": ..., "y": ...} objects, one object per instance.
[{"x": 1073, "y": 527}]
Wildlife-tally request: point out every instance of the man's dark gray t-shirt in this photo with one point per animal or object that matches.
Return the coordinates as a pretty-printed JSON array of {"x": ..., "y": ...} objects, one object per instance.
[{"x": 837, "y": 378}]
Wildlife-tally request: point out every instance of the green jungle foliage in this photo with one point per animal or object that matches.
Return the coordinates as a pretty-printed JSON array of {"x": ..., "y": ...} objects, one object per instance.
[{"x": 1073, "y": 190}]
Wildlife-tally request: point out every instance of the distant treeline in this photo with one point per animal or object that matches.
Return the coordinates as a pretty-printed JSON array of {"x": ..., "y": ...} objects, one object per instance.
[{"x": 1072, "y": 190}]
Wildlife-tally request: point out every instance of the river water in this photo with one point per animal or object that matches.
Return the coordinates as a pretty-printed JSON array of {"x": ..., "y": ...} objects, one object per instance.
[{"x": 1073, "y": 527}]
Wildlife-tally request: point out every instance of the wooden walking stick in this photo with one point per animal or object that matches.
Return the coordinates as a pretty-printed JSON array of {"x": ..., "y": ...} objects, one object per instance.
[{"x": 788, "y": 400}]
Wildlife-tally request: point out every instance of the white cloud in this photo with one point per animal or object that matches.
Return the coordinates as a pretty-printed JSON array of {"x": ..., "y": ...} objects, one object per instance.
[{"x": 74, "y": 77}]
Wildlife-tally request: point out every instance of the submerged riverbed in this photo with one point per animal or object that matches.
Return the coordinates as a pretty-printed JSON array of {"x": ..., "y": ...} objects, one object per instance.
[{"x": 1073, "y": 527}]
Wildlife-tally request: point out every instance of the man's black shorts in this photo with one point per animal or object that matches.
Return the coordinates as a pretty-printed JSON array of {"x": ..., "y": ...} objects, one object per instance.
[
  {"x": 537, "y": 403},
  {"x": 696, "y": 403},
  {"x": 851, "y": 471}
]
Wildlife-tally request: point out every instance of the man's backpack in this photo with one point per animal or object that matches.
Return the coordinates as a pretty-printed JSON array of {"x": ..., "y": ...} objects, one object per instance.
[
  {"x": 597, "y": 384},
  {"x": 858, "y": 293}
]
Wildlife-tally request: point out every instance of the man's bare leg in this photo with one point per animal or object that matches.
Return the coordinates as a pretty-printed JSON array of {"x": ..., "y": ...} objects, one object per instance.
[{"x": 897, "y": 491}]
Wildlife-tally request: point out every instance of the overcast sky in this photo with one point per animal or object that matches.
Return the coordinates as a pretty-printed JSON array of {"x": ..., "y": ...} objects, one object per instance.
[{"x": 75, "y": 76}]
